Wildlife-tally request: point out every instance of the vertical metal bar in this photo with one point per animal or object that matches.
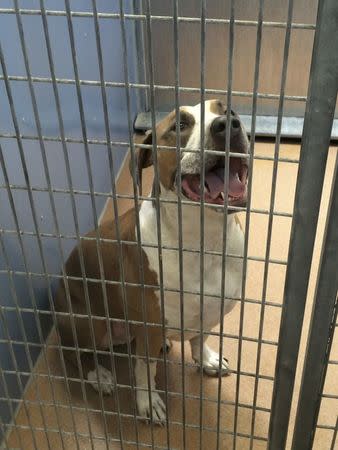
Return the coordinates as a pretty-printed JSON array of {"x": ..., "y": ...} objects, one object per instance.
[
  {"x": 30, "y": 195},
  {"x": 21, "y": 388},
  {"x": 117, "y": 226},
  {"x": 202, "y": 181},
  {"x": 65, "y": 280},
  {"x": 136, "y": 207},
  {"x": 324, "y": 314},
  {"x": 334, "y": 437},
  {"x": 74, "y": 212},
  {"x": 142, "y": 94},
  {"x": 322, "y": 94},
  {"x": 43, "y": 154},
  {"x": 9, "y": 402},
  {"x": 18, "y": 377},
  {"x": 3, "y": 430},
  {"x": 95, "y": 216},
  {"x": 271, "y": 211},
  {"x": 22, "y": 327},
  {"x": 158, "y": 204},
  {"x": 248, "y": 208},
  {"x": 225, "y": 213},
  {"x": 179, "y": 210}
]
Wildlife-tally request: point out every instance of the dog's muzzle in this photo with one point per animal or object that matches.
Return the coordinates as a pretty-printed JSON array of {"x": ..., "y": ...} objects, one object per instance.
[
  {"x": 218, "y": 129},
  {"x": 216, "y": 176}
]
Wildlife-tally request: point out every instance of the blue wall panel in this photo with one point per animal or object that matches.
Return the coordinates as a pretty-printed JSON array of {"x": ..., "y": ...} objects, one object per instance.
[{"x": 88, "y": 70}]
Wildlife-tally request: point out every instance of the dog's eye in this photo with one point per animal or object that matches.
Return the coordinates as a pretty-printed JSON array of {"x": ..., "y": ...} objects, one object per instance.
[
  {"x": 182, "y": 125},
  {"x": 231, "y": 112}
]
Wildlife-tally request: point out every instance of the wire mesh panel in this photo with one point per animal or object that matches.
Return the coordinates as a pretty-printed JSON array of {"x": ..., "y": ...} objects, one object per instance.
[
  {"x": 108, "y": 337},
  {"x": 326, "y": 428},
  {"x": 317, "y": 406}
]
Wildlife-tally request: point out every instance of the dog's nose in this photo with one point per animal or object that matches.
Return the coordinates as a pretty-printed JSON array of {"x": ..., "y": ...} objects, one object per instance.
[{"x": 218, "y": 127}]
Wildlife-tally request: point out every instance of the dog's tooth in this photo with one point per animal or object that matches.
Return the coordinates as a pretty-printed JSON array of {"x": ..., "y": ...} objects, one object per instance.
[{"x": 222, "y": 195}]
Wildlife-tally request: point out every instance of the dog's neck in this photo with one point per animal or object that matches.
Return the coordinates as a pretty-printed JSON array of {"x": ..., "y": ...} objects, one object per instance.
[{"x": 191, "y": 219}]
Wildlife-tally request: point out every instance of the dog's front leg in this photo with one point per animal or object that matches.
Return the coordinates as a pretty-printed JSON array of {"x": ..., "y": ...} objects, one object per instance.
[
  {"x": 156, "y": 409},
  {"x": 210, "y": 358}
]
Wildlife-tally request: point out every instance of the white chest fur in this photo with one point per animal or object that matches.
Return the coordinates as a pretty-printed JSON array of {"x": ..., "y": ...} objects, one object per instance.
[{"x": 213, "y": 238}]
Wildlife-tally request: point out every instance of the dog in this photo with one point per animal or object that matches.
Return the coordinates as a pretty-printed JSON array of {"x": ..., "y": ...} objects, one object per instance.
[{"x": 97, "y": 335}]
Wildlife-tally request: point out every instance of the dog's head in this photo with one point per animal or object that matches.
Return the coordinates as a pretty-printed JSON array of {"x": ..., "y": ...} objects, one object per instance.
[{"x": 214, "y": 140}]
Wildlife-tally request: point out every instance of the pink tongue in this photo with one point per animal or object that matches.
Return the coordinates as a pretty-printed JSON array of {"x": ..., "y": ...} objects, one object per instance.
[
  {"x": 215, "y": 182},
  {"x": 236, "y": 187}
]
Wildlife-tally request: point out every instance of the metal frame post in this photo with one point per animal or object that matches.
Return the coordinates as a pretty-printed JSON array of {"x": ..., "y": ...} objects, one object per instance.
[
  {"x": 322, "y": 94},
  {"x": 322, "y": 328}
]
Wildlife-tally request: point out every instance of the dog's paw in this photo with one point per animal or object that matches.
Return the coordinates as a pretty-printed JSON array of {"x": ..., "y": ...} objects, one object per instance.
[
  {"x": 211, "y": 365},
  {"x": 106, "y": 380},
  {"x": 158, "y": 407}
]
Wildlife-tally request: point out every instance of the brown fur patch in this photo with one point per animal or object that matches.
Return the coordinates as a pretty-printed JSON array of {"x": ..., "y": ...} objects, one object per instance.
[
  {"x": 217, "y": 107},
  {"x": 111, "y": 269},
  {"x": 166, "y": 135}
]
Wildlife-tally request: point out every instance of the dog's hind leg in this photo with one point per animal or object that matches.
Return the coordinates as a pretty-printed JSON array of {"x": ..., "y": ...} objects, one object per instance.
[
  {"x": 78, "y": 350},
  {"x": 157, "y": 408}
]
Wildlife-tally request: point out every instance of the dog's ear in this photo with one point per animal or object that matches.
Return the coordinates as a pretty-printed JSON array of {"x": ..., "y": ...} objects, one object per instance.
[{"x": 143, "y": 157}]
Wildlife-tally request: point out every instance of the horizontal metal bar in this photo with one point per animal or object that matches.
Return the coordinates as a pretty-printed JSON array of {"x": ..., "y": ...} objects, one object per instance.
[
  {"x": 136, "y": 322},
  {"x": 131, "y": 357},
  {"x": 112, "y": 282},
  {"x": 320, "y": 108},
  {"x": 326, "y": 427},
  {"x": 160, "y": 87},
  {"x": 265, "y": 126},
  {"x": 212, "y": 152},
  {"x": 120, "y": 386},
  {"x": 162, "y": 18},
  {"x": 103, "y": 353},
  {"x": 174, "y": 363},
  {"x": 335, "y": 397},
  {"x": 142, "y": 444},
  {"x": 82, "y": 435},
  {"x": 125, "y": 415},
  {"x": 173, "y": 202},
  {"x": 159, "y": 147},
  {"x": 208, "y": 333},
  {"x": 133, "y": 243}
]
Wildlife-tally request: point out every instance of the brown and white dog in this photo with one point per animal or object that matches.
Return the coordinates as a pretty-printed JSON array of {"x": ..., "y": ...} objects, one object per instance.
[{"x": 166, "y": 135}]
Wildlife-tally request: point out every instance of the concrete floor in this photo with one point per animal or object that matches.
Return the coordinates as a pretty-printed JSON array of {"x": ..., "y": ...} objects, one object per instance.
[{"x": 60, "y": 417}]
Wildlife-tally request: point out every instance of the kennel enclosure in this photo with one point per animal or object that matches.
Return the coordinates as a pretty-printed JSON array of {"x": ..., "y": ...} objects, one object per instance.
[{"x": 74, "y": 76}]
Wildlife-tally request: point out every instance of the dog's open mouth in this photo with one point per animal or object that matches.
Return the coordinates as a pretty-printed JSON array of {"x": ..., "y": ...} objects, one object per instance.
[{"x": 214, "y": 184}]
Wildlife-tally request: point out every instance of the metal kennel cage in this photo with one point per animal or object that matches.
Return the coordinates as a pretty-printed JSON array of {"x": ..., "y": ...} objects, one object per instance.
[{"x": 74, "y": 76}]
